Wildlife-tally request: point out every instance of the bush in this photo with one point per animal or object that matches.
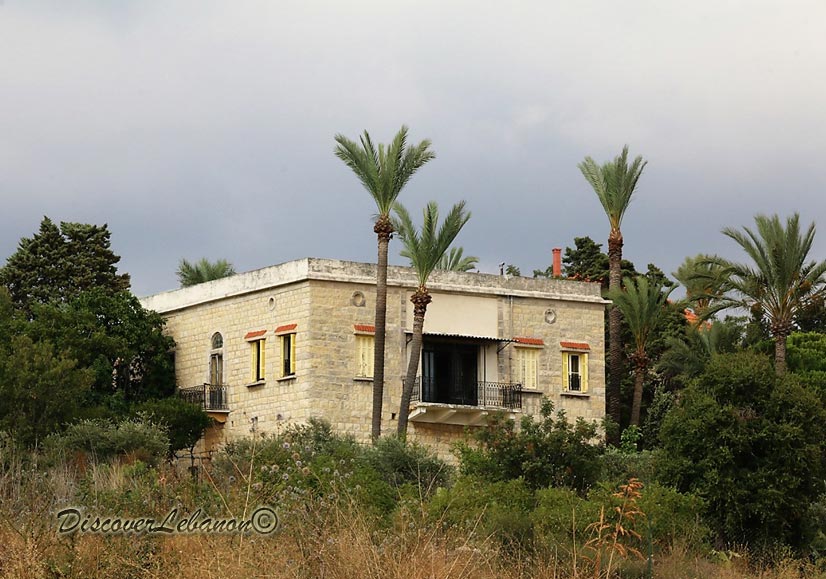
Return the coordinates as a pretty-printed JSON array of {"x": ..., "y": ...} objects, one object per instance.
[
  {"x": 545, "y": 452},
  {"x": 750, "y": 445},
  {"x": 307, "y": 463},
  {"x": 410, "y": 463},
  {"x": 561, "y": 519},
  {"x": 185, "y": 422},
  {"x": 482, "y": 510},
  {"x": 618, "y": 467},
  {"x": 101, "y": 440}
]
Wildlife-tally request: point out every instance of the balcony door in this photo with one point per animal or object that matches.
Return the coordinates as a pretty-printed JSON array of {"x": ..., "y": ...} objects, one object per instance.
[{"x": 450, "y": 372}]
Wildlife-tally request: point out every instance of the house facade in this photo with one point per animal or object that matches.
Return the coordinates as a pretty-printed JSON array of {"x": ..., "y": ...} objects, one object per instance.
[{"x": 293, "y": 341}]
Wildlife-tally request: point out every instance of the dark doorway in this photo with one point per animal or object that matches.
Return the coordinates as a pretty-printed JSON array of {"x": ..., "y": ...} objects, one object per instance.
[{"x": 450, "y": 373}]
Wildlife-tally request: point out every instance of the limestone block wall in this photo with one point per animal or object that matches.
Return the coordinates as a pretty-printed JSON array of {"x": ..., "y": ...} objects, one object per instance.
[
  {"x": 325, "y": 299},
  {"x": 263, "y": 406},
  {"x": 573, "y": 322}
]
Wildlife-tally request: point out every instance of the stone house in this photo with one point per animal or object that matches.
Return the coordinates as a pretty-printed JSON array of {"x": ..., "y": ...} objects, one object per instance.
[{"x": 293, "y": 341}]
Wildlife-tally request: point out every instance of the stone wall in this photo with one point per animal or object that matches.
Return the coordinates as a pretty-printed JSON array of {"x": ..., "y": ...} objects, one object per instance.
[{"x": 326, "y": 299}]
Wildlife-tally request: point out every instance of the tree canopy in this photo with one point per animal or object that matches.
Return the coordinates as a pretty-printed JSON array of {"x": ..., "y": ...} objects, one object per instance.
[{"x": 58, "y": 263}]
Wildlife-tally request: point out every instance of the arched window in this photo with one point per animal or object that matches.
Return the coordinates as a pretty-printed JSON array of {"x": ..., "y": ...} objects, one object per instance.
[{"x": 216, "y": 360}]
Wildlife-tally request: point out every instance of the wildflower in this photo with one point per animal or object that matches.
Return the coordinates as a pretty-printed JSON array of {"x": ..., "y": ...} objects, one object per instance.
[
  {"x": 296, "y": 456},
  {"x": 298, "y": 463},
  {"x": 285, "y": 476},
  {"x": 286, "y": 445},
  {"x": 305, "y": 471},
  {"x": 231, "y": 479}
]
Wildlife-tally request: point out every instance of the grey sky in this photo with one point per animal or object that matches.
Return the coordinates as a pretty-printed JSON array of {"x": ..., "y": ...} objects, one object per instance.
[{"x": 206, "y": 129}]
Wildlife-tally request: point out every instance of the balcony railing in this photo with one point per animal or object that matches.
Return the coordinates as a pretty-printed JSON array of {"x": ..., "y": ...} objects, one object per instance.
[
  {"x": 477, "y": 394},
  {"x": 209, "y": 396}
]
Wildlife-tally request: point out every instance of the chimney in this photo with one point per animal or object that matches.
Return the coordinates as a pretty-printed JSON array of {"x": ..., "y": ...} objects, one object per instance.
[{"x": 557, "y": 262}]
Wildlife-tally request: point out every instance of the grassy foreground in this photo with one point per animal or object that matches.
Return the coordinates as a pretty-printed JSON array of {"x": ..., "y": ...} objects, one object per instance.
[{"x": 339, "y": 518}]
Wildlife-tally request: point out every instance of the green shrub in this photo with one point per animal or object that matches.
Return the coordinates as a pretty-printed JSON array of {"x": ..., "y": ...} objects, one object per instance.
[
  {"x": 618, "y": 467},
  {"x": 486, "y": 510},
  {"x": 560, "y": 520},
  {"x": 185, "y": 422},
  {"x": 102, "y": 440},
  {"x": 307, "y": 463},
  {"x": 751, "y": 445},
  {"x": 545, "y": 452},
  {"x": 409, "y": 463}
]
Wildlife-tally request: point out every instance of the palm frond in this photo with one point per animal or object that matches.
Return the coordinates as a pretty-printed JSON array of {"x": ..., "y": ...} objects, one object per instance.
[
  {"x": 426, "y": 247},
  {"x": 614, "y": 182},
  {"x": 455, "y": 260},
  {"x": 383, "y": 170}
]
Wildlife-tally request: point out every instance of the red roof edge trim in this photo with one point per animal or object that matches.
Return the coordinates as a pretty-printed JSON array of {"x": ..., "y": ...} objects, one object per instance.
[
  {"x": 257, "y": 334},
  {"x": 575, "y": 345},
  {"x": 285, "y": 328},
  {"x": 364, "y": 328},
  {"x": 529, "y": 341}
]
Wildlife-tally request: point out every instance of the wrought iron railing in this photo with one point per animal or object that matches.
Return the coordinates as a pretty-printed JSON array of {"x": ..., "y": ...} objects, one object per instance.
[
  {"x": 208, "y": 396},
  {"x": 464, "y": 393}
]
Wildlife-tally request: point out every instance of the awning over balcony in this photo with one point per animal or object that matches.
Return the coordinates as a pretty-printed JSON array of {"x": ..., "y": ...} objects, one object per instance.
[{"x": 463, "y": 336}]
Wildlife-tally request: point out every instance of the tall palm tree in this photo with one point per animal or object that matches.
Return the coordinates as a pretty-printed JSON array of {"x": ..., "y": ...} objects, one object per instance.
[
  {"x": 780, "y": 282},
  {"x": 203, "y": 270},
  {"x": 384, "y": 171},
  {"x": 703, "y": 279},
  {"x": 614, "y": 183},
  {"x": 454, "y": 260},
  {"x": 425, "y": 248},
  {"x": 642, "y": 305}
]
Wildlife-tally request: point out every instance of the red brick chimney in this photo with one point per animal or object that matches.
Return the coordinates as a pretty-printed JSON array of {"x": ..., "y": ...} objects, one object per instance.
[{"x": 557, "y": 262}]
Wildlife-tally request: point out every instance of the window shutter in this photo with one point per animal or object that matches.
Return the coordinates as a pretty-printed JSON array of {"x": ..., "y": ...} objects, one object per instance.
[
  {"x": 564, "y": 371},
  {"x": 292, "y": 353},
  {"x": 583, "y": 369},
  {"x": 263, "y": 345},
  {"x": 531, "y": 369},
  {"x": 253, "y": 362}
]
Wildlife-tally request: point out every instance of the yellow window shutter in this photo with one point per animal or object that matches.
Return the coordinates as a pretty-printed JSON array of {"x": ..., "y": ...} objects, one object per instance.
[
  {"x": 583, "y": 363},
  {"x": 292, "y": 354},
  {"x": 253, "y": 362},
  {"x": 369, "y": 346},
  {"x": 564, "y": 370},
  {"x": 263, "y": 360},
  {"x": 532, "y": 369}
]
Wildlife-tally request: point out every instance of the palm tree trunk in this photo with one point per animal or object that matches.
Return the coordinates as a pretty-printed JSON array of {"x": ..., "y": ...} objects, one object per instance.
[
  {"x": 420, "y": 300},
  {"x": 383, "y": 229},
  {"x": 612, "y": 398},
  {"x": 639, "y": 382},
  {"x": 780, "y": 354}
]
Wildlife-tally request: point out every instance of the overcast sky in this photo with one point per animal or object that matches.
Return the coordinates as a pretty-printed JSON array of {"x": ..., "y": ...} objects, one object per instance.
[{"x": 205, "y": 129}]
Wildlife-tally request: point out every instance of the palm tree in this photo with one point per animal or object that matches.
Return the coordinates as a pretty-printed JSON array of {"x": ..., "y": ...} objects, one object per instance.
[
  {"x": 384, "y": 172},
  {"x": 642, "y": 305},
  {"x": 202, "y": 271},
  {"x": 780, "y": 282},
  {"x": 455, "y": 261},
  {"x": 425, "y": 249},
  {"x": 614, "y": 182},
  {"x": 703, "y": 281}
]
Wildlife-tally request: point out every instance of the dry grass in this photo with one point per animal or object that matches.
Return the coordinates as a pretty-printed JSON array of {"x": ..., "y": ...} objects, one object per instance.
[{"x": 335, "y": 542}]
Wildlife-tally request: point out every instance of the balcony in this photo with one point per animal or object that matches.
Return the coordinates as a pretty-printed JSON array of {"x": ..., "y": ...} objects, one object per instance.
[
  {"x": 211, "y": 397},
  {"x": 462, "y": 402}
]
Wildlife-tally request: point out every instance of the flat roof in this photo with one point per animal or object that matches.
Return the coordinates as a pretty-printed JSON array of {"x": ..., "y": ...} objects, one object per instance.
[{"x": 335, "y": 270}]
